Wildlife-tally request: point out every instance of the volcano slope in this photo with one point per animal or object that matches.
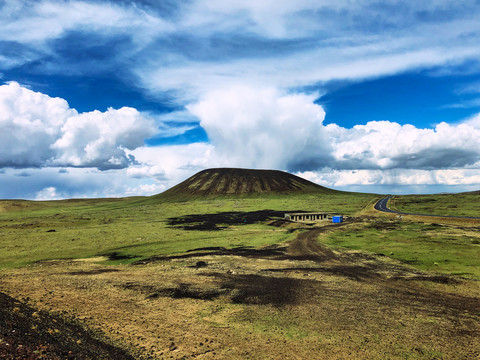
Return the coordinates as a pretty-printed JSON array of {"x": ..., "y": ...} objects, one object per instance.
[
  {"x": 223, "y": 276},
  {"x": 242, "y": 182}
]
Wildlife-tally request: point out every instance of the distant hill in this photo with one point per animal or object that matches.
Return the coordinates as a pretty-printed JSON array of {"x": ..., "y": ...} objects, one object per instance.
[{"x": 231, "y": 181}]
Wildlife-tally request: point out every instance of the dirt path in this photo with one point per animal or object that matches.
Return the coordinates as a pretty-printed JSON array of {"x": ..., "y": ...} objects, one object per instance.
[{"x": 306, "y": 247}]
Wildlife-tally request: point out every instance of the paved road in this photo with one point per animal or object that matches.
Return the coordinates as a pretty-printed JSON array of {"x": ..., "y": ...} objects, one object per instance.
[{"x": 382, "y": 205}]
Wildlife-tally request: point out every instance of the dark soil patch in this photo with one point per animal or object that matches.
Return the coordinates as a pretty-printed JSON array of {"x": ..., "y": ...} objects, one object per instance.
[
  {"x": 188, "y": 291},
  {"x": 93, "y": 272},
  {"x": 263, "y": 290},
  {"x": 117, "y": 256},
  {"x": 439, "y": 279},
  {"x": 222, "y": 220},
  {"x": 28, "y": 334},
  {"x": 270, "y": 252},
  {"x": 200, "y": 264},
  {"x": 180, "y": 291},
  {"x": 353, "y": 272},
  {"x": 242, "y": 289}
]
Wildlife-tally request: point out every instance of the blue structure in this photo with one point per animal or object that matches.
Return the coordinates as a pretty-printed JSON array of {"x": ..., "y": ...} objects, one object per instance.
[{"x": 337, "y": 219}]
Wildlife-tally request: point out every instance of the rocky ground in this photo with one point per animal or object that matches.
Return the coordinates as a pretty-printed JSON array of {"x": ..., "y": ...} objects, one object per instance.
[{"x": 29, "y": 334}]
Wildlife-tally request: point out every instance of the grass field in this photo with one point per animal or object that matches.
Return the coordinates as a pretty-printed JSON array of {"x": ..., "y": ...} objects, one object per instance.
[
  {"x": 137, "y": 228},
  {"x": 464, "y": 204},
  {"x": 226, "y": 278},
  {"x": 439, "y": 248}
]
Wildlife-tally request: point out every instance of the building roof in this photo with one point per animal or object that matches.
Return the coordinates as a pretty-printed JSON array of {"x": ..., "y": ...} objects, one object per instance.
[{"x": 308, "y": 213}]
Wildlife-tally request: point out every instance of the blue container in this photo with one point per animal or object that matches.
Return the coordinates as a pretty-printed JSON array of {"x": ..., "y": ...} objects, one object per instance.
[{"x": 337, "y": 219}]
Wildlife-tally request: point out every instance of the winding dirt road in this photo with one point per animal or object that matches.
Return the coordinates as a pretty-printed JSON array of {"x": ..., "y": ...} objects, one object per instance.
[{"x": 306, "y": 247}]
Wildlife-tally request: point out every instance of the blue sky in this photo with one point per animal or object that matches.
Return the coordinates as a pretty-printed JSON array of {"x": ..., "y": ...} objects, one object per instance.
[{"x": 120, "y": 98}]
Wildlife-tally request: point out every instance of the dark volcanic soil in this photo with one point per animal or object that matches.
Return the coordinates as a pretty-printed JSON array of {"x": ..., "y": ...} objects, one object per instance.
[
  {"x": 226, "y": 181},
  {"x": 28, "y": 334},
  {"x": 221, "y": 220}
]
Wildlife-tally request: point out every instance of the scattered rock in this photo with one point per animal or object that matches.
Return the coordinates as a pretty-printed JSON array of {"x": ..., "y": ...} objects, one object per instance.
[{"x": 201, "y": 264}]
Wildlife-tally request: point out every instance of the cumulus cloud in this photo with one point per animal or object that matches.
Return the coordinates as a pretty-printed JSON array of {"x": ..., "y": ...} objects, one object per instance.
[
  {"x": 247, "y": 127},
  {"x": 30, "y": 122},
  {"x": 97, "y": 139},
  {"x": 264, "y": 128},
  {"x": 397, "y": 180},
  {"x": 37, "y": 130},
  {"x": 146, "y": 171},
  {"x": 49, "y": 193},
  {"x": 388, "y": 145},
  {"x": 174, "y": 163},
  {"x": 473, "y": 121}
]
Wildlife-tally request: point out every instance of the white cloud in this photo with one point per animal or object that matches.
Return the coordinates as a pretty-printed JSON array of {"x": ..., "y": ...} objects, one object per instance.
[
  {"x": 248, "y": 127},
  {"x": 174, "y": 163},
  {"x": 37, "y": 130},
  {"x": 38, "y": 21},
  {"x": 144, "y": 190},
  {"x": 49, "y": 193},
  {"x": 464, "y": 104},
  {"x": 97, "y": 139},
  {"x": 280, "y": 44},
  {"x": 473, "y": 121},
  {"x": 189, "y": 79},
  {"x": 263, "y": 128},
  {"x": 29, "y": 123},
  {"x": 471, "y": 88},
  {"x": 398, "y": 181},
  {"x": 49, "y": 184},
  {"x": 334, "y": 40},
  {"x": 269, "y": 18},
  {"x": 385, "y": 145},
  {"x": 146, "y": 171}
]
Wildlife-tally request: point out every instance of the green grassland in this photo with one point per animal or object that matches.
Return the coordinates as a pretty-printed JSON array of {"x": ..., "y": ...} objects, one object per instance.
[
  {"x": 136, "y": 228},
  {"x": 347, "y": 303},
  {"x": 131, "y": 229},
  {"x": 433, "y": 247},
  {"x": 463, "y": 204}
]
